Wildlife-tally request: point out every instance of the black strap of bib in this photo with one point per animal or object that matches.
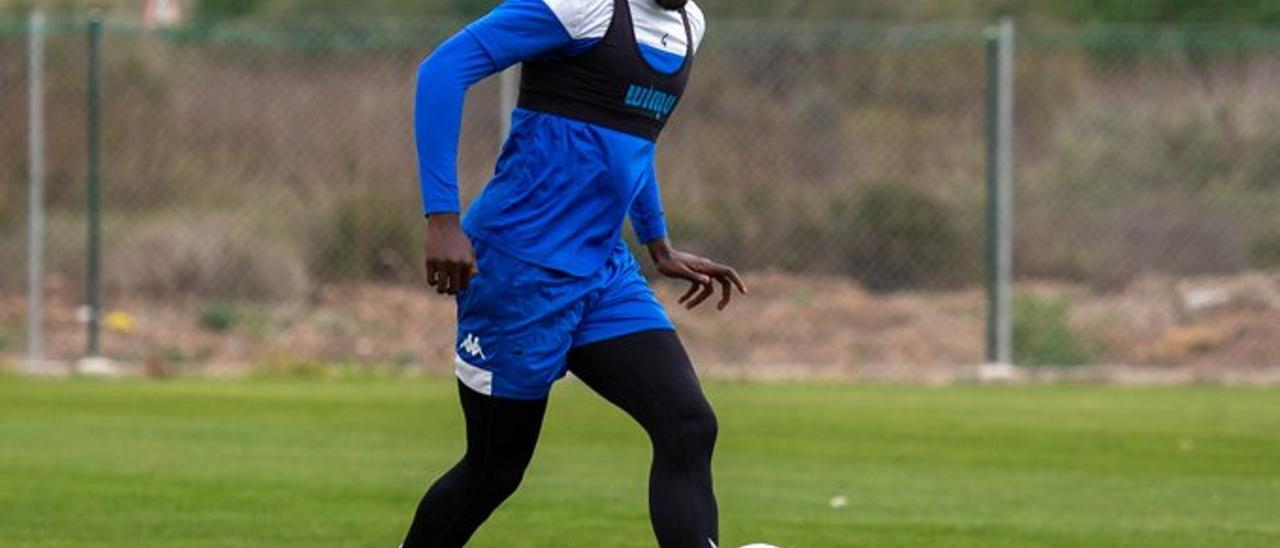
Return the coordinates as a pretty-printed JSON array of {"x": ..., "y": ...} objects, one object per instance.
[{"x": 611, "y": 84}]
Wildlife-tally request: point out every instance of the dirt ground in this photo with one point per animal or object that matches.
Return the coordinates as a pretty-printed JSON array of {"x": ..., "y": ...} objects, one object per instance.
[{"x": 787, "y": 327}]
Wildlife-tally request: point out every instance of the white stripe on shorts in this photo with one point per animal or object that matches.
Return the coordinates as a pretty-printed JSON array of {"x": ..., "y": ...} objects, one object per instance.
[{"x": 475, "y": 378}]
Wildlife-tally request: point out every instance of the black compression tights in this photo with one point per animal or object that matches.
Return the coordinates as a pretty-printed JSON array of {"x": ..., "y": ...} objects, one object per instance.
[{"x": 649, "y": 376}]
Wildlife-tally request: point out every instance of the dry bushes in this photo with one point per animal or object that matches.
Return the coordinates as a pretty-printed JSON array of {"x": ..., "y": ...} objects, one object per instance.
[
  {"x": 365, "y": 235},
  {"x": 207, "y": 258},
  {"x": 1131, "y": 186},
  {"x": 1123, "y": 168}
]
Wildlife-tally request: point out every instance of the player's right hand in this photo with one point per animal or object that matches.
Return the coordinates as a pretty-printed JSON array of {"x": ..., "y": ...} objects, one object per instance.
[{"x": 450, "y": 259}]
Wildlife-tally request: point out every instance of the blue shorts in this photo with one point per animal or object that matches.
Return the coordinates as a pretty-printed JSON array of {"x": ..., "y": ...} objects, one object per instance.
[{"x": 517, "y": 321}]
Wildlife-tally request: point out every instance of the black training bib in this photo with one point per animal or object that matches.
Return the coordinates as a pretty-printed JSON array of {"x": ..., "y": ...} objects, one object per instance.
[{"x": 611, "y": 84}]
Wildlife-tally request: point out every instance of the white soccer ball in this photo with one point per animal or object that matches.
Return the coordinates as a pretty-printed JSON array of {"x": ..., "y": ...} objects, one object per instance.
[{"x": 759, "y": 545}]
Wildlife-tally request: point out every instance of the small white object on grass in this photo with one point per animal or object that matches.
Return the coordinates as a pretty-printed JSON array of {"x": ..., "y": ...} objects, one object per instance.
[
  {"x": 759, "y": 545},
  {"x": 839, "y": 501}
]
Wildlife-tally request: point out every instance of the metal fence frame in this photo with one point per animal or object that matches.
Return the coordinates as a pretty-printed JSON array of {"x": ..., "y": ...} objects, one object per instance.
[{"x": 1000, "y": 118}]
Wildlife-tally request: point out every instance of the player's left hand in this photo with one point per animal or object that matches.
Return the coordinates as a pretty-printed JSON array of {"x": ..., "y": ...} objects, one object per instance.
[{"x": 703, "y": 273}]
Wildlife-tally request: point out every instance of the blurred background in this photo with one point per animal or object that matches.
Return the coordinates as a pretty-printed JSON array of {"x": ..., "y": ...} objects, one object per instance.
[
  {"x": 1087, "y": 190},
  {"x": 259, "y": 199}
]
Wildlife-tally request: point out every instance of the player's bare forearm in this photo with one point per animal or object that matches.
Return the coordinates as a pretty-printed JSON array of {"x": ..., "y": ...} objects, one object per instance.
[{"x": 703, "y": 273}]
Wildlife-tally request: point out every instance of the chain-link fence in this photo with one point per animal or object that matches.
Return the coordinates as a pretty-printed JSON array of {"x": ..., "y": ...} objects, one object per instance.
[{"x": 260, "y": 203}]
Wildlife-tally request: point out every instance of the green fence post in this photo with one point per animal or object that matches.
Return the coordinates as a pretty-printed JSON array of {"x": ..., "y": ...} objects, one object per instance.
[
  {"x": 95, "y": 190},
  {"x": 993, "y": 99},
  {"x": 35, "y": 196},
  {"x": 999, "y": 222}
]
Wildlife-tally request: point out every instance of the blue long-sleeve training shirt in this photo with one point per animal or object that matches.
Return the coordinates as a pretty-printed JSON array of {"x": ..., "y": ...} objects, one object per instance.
[{"x": 562, "y": 188}]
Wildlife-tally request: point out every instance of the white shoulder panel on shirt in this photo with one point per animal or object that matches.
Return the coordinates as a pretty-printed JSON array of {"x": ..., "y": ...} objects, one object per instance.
[
  {"x": 697, "y": 23},
  {"x": 664, "y": 29},
  {"x": 584, "y": 19},
  {"x": 655, "y": 26}
]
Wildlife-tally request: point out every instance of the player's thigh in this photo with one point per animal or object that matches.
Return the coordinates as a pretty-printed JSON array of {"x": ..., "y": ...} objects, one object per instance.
[
  {"x": 647, "y": 374},
  {"x": 515, "y": 326},
  {"x": 623, "y": 305}
]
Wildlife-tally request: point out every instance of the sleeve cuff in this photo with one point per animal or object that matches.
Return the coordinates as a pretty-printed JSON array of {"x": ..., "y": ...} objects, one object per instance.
[
  {"x": 648, "y": 230},
  {"x": 432, "y": 207}
]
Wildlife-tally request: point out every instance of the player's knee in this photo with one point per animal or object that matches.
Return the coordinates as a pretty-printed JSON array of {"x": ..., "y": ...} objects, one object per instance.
[
  {"x": 703, "y": 430},
  {"x": 492, "y": 479},
  {"x": 501, "y": 483},
  {"x": 696, "y": 431}
]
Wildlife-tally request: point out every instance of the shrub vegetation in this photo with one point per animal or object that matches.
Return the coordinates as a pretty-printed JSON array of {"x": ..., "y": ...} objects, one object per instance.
[{"x": 1042, "y": 334}]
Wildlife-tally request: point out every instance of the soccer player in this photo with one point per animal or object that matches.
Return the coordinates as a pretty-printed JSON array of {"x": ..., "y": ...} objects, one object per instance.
[{"x": 543, "y": 280}]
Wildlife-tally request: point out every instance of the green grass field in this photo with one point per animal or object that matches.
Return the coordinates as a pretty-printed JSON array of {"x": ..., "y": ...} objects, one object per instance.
[{"x": 310, "y": 463}]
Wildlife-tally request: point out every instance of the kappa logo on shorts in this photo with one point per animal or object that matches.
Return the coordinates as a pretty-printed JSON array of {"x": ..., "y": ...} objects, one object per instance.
[{"x": 471, "y": 345}]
